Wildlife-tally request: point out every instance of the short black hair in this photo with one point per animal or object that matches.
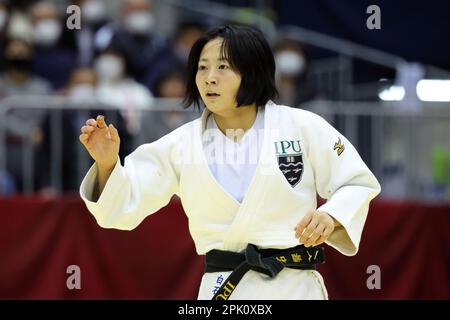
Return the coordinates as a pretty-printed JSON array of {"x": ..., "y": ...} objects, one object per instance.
[{"x": 248, "y": 53}]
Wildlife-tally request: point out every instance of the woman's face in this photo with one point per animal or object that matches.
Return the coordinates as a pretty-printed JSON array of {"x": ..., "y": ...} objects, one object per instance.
[{"x": 217, "y": 83}]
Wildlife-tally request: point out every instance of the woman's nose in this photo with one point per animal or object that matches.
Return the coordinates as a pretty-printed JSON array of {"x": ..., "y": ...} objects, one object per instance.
[{"x": 211, "y": 78}]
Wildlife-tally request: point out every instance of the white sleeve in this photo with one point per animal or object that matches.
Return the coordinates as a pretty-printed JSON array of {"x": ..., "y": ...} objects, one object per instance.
[
  {"x": 344, "y": 180},
  {"x": 141, "y": 187}
]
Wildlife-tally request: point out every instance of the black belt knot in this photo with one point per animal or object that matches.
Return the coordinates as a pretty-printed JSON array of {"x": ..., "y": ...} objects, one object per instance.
[
  {"x": 266, "y": 261},
  {"x": 268, "y": 265}
]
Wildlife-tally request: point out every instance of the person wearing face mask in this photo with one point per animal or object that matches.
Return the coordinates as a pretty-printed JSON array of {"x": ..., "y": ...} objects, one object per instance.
[
  {"x": 53, "y": 61},
  {"x": 17, "y": 77},
  {"x": 17, "y": 24},
  {"x": 94, "y": 18},
  {"x": 138, "y": 19},
  {"x": 177, "y": 54},
  {"x": 23, "y": 126},
  {"x": 135, "y": 36},
  {"x": 81, "y": 102},
  {"x": 115, "y": 87},
  {"x": 171, "y": 84},
  {"x": 78, "y": 91},
  {"x": 93, "y": 12},
  {"x": 291, "y": 73},
  {"x": 81, "y": 87}
]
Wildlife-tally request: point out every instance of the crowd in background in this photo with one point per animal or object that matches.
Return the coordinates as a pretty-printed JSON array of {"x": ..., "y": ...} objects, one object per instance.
[{"x": 113, "y": 59}]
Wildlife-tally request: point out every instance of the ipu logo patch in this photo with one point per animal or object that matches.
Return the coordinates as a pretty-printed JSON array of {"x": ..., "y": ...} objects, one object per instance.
[{"x": 290, "y": 160}]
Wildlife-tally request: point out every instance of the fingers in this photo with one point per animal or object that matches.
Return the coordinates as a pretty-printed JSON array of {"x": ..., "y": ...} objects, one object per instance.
[
  {"x": 114, "y": 133},
  {"x": 91, "y": 122},
  {"x": 309, "y": 230},
  {"x": 87, "y": 129},
  {"x": 85, "y": 133},
  {"x": 326, "y": 233},
  {"x": 315, "y": 235},
  {"x": 314, "y": 228},
  {"x": 84, "y": 138},
  {"x": 303, "y": 223},
  {"x": 101, "y": 121},
  {"x": 98, "y": 122}
]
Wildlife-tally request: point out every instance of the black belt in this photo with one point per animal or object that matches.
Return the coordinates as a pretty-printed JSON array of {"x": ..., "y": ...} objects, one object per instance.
[{"x": 267, "y": 261}]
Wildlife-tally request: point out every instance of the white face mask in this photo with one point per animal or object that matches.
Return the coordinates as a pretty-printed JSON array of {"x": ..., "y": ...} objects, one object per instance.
[
  {"x": 93, "y": 11},
  {"x": 3, "y": 18},
  {"x": 139, "y": 22},
  {"x": 47, "y": 32},
  {"x": 82, "y": 94},
  {"x": 289, "y": 63},
  {"x": 19, "y": 26},
  {"x": 109, "y": 68}
]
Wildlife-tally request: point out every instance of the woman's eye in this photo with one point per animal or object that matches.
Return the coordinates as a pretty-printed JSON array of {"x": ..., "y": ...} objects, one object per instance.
[
  {"x": 201, "y": 68},
  {"x": 223, "y": 66}
]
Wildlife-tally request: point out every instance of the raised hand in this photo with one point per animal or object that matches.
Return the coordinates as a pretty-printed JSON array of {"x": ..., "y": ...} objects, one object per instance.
[{"x": 101, "y": 141}]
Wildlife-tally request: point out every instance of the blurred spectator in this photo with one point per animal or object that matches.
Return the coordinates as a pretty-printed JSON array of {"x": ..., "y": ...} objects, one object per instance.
[
  {"x": 178, "y": 52},
  {"x": 80, "y": 91},
  {"x": 18, "y": 79},
  {"x": 183, "y": 40},
  {"x": 23, "y": 125},
  {"x": 93, "y": 18},
  {"x": 19, "y": 22},
  {"x": 83, "y": 89},
  {"x": 135, "y": 36},
  {"x": 291, "y": 73},
  {"x": 117, "y": 88},
  {"x": 169, "y": 85},
  {"x": 82, "y": 104},
  {"x": 47, "y": 28},
  {"x": 52, "y": 61}
]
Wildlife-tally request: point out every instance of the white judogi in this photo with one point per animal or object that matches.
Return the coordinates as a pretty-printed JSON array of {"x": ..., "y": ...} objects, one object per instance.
[{"x": 325, "y": 163}]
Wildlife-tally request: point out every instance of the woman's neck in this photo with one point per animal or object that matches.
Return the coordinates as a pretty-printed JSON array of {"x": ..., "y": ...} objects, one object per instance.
[{"x": 241, "y": 118}]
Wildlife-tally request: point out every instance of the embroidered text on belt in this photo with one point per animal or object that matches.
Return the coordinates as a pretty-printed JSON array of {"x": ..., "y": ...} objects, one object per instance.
[{"x": 267, "y": 261}]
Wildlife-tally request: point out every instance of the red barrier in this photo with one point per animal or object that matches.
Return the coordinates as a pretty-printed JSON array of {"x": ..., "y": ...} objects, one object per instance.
[{"x": 40, "y": 239}]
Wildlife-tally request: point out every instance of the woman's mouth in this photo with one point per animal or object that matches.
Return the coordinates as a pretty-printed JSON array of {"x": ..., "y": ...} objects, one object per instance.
[{"x": 212, "y": 95}]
